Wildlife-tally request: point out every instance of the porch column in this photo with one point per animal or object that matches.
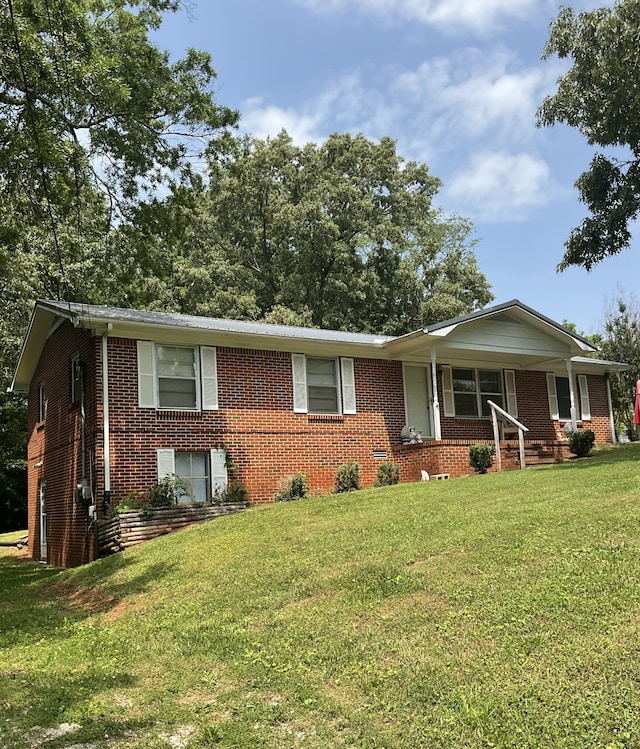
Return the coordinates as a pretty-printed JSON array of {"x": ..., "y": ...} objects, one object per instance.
[
  {"x": 572, "y": 397},
  {"x": 436, "y": 405}
]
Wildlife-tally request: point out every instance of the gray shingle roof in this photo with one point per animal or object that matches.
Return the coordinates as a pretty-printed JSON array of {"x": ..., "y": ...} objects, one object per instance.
[{"x": 90, "y": 312}]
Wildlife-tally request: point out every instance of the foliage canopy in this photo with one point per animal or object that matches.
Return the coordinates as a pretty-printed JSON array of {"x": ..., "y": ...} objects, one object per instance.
[
  {"x": 599, "y": 97},
  {"x": 341, "y": 234}
]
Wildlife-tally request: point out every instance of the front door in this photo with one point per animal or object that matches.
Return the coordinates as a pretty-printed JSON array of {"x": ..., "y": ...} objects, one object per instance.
[
  {"x": 417, "y": 398},
  {"x": 43, "y": 521}
]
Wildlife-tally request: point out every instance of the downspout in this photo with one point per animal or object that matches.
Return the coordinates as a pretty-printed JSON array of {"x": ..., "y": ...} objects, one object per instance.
[
  {"x": 614, "y": 436},
  {"x": 83, "y": 425},
  {"x": 572, "y": 397},
  {"x": 105, "y": 419},
  {"x": 437, "y": 429}
]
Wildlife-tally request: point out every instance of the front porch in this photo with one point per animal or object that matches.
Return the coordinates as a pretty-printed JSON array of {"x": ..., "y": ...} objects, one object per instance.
[{"x": 452, "y": 456}]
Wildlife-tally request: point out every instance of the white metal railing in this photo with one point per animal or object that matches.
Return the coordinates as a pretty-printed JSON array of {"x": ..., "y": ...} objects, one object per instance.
[{"x": 495, "y": 410}]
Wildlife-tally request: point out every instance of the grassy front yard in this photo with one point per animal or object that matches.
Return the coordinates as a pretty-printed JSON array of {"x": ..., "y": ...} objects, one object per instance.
[{"x": 490, "y": 611}]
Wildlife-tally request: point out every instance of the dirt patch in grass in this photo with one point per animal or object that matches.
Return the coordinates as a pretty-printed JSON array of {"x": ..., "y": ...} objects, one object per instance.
[{"x": 83, "y": 600}]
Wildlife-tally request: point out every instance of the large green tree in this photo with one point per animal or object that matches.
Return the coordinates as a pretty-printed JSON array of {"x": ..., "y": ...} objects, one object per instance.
[
  {"x": 621, "y": 342},
  {"x": 94, "y": 118},
  {"x": 341, "y": 234},
  {"x": 600, "y": 97}
]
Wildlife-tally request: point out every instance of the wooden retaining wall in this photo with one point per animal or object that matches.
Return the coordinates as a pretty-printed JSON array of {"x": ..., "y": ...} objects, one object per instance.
[{"x": 133, "y": 527}]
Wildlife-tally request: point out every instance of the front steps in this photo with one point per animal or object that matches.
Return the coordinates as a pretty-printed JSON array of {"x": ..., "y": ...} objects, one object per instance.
[{"x": 536, "y": 452}]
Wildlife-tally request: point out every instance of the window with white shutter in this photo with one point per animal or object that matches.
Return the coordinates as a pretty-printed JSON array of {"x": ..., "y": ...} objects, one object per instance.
[
  {"x": 323, "y": 385},
  {"x": 204, "y": 474},
  {"x": 180, "y": 378},
  {"x": 348, "y": 386},
  {"x": 585, "y": 405},
  {"x": 510, "y": 387},
  {"x": 553, "y": 396}
]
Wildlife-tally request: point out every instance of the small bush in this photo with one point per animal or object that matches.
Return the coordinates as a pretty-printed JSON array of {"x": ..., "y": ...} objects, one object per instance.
[
  {"x": 167, "y": 492},
  {"x": 347, "y": 478},
  {"x": 135, "y": 500},
  {"x": 295, "y": 487},
  {"x": 581, "y": 443},
  {"x": 234, "y": 493},
  {"x": 481, "y": 457},
  {"x": 388, "y": 474}
]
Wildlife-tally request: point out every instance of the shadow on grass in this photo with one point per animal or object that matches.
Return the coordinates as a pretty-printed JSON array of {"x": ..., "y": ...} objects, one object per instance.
[
  {"x": 39, "y": 602},
  {"x": 603, "y": 456},
  {"x": 36, "y": 703},
  {"x": 55, "y": 666}
]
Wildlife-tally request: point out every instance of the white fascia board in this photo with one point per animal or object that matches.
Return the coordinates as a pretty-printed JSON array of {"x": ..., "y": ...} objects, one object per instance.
[
  {"x": 174, "y": 335},
  {"x": 32, "y": 344},
  {"x": 582, "y": 364}
]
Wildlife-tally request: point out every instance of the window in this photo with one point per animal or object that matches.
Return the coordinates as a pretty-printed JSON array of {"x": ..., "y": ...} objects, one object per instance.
[
  {"x": 472, "y": 388},
  {"x": 560, "y": 397},
  {"x": 76, "y": 378},
  {"x": 42, "y": 403},
  {"x": 177, "y": 373},
  {"x": 193, "y": 469},
  {"x": 323, "y": 385},
  {"x": 564, "y": 397},
  {"x": 182, "y": 378},
  {"x": 205, "y": 473}
]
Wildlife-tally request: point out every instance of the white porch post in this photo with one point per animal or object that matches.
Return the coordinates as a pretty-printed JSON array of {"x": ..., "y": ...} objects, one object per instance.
[
  {"x": 436, "y": 405},
  {"x": 572, "y": 397}
]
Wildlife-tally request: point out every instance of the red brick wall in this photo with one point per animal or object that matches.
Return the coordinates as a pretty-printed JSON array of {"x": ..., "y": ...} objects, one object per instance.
[
  {"x": 255, "y": 423},
  {"x": 533, "y": 412},
  {"x": 54, "y": 453}
]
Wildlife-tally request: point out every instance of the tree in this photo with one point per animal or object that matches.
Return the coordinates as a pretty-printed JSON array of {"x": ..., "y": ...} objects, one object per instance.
[
  {"x": 341, "y": 234},
  {"x": 13, "y": 474},
  {"x": 621, "y": 342},
  {"x": 598, "y": 96},
  {"x": 94, "y": 118}
]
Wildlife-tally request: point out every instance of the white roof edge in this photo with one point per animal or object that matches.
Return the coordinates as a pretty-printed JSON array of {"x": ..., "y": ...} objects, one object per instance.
[
  {"x": 620, "y": 366},
  {"x": 89, "y": 315}
]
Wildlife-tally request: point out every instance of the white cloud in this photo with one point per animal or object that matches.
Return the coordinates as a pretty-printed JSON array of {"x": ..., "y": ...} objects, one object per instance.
[
  {"x": 498, "y": 186},
  {"x": 443, "y": 113},
  {"x": 476, "y": 93},
  {"x": 263, "y": 120},
  {"x": 479, "y": 15}
]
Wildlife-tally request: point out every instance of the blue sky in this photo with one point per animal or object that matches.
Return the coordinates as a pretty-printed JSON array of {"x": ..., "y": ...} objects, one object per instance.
[{"x": 457, "y": 84}]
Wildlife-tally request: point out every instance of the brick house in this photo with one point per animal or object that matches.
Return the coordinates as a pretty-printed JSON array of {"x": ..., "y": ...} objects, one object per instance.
[{"x": 119, "y": 398}]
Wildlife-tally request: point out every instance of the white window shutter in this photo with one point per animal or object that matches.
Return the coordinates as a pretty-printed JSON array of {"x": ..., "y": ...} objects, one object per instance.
[
  {"x": 299, "y": 383},
  {"x": 166, "y": 462},
  {"x": 510, "y": 386},
  {"x": 209, "y": 375},
  {"x": 146, "y": 374},
  {"x": 219, "y": 474},
  {"x": 553, "y": 396},
  {"x": 447, "y": 392},
  {"x": 348, "y": 386},
  {"x": 585, "y": 406}
]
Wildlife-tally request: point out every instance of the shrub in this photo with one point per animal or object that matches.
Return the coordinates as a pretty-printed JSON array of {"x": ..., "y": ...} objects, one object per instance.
[
  {"x": 235, "y": 492},
  {"x": 167, "y": 492},
  {"x": 134, "y": 500},
  {"x": 347, "y": 478},
  {"x": 481, "y": 457},
  {"x": 581, "y": 443},
  {"x": 388, "y": 474},
  {"x": 295, "y": 487}
]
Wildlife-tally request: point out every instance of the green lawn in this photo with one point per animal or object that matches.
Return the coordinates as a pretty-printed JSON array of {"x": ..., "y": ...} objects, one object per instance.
[{"x": 490, "y": 611}]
